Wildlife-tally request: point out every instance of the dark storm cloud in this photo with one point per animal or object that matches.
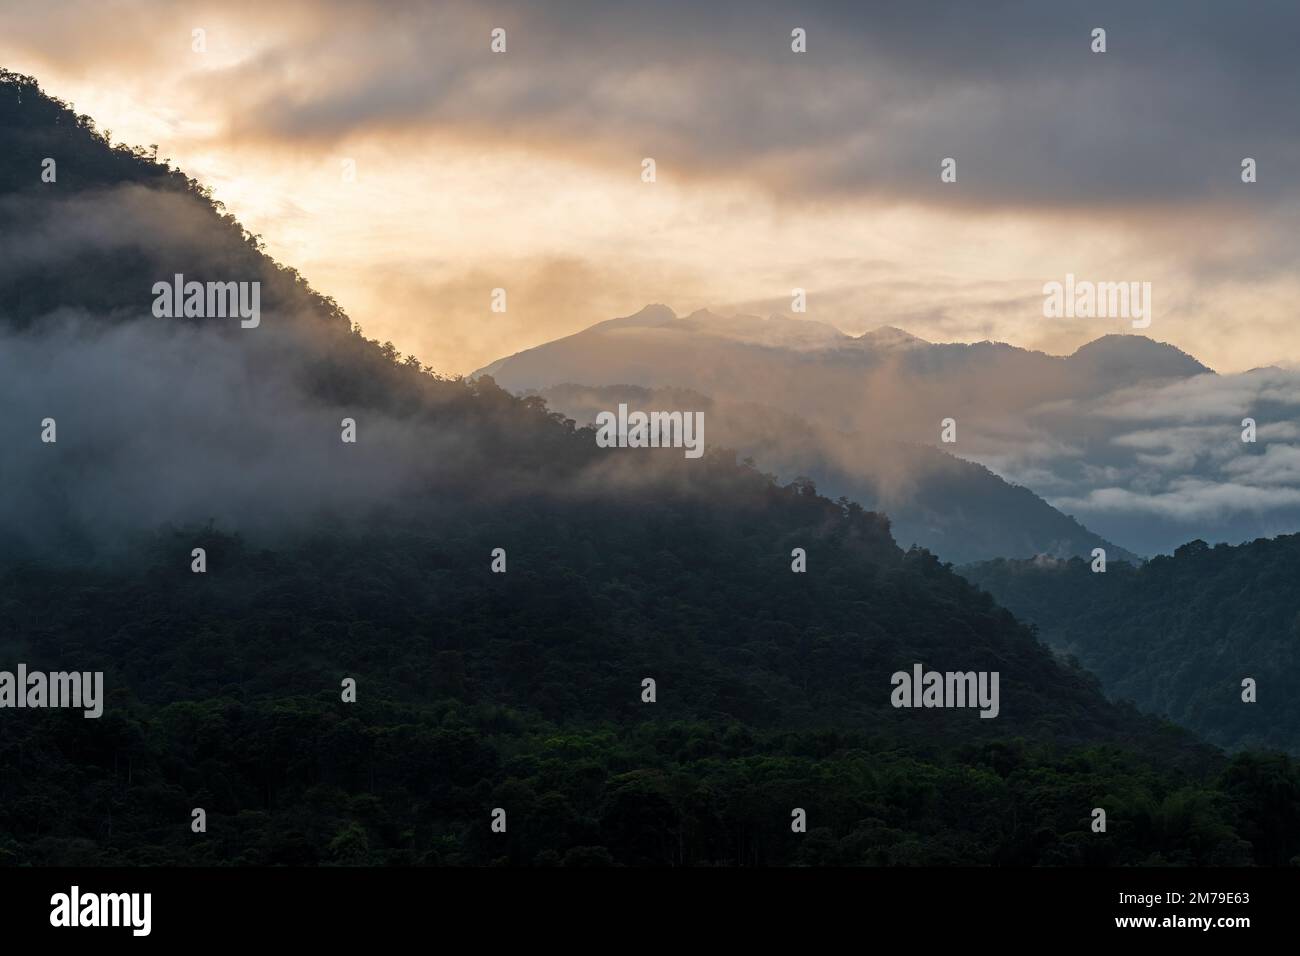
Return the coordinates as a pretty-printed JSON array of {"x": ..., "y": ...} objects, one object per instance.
[{"x": 885, "y": 91}]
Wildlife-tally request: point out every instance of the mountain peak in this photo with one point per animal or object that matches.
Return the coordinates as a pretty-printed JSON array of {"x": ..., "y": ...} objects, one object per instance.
[
  {"x": 1137, "y": 353},
  {"x": 890, "y": 337},
  {"x": 708, "y": 315},
  {"x": 776, "y": 331},
  {"x": 652, "y": 315}
]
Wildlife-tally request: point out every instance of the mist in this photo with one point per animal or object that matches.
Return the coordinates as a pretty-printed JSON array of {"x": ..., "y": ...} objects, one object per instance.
[{"x": 1139, "y": 441}]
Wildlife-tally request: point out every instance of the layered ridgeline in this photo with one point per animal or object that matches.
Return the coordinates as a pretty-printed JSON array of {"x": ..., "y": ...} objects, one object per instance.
[
  {"x": 816, "y": 367},
  {"x": 1086, "y": 431},
  {"x": 1179, "y": 635},
  {"x": 957, "y": 509},
  {"x": 355, "y": 652}
]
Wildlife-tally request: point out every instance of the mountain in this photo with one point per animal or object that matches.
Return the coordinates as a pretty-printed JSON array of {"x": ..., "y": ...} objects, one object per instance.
[
  {"x": 887, "y": 337},
  {"x": 1178, "y": 635},
  {"x": 1136, "y": 440},
  {"x": 956, "y": 509},
  {"x": 821, "y": 372},
  {"x": 1117, "y": 361},
  {"x": 877, "y": 452},
  {"x": 306, "y": 638}
]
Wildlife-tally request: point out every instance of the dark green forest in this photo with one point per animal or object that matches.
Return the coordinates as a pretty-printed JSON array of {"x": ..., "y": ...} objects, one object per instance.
[
  {"x": 1178, "y": 634},
  {"x": 520, "y": 690}
]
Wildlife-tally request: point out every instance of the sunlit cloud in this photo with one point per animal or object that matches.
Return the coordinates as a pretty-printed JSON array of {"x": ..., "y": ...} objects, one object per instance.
[{"x": 775, "y": 170}]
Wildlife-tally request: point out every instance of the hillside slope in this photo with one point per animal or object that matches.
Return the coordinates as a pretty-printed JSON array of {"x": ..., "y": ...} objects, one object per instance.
[
  {"x": 1178, "y": 635},
  {"x": 959, "y": 510}
]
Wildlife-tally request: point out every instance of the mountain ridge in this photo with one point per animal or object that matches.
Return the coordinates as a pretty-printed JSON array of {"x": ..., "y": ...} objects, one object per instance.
[
  {"x": 707, "y": 322},
  {"x": 1209, "y": 615}
]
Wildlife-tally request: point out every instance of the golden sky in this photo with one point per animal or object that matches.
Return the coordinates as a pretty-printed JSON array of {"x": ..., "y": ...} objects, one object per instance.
[{"x": 820, "y": 170}]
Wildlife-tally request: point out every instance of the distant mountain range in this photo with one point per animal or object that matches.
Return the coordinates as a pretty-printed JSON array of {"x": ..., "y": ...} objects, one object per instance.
[
  {"x": 1136, "y": 439},
  {"x": 814, "y": 369}
]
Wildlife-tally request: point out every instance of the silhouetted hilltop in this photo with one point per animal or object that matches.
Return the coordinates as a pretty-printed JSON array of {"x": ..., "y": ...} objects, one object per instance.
[{"x": 1129, "y": 358}]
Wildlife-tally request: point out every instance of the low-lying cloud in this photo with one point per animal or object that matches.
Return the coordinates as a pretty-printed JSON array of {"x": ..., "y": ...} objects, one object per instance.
[{"x": 1167, "y": 462}]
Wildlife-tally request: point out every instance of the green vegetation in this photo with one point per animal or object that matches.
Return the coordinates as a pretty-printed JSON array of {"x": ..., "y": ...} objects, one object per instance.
[
  {"x": 522, "y": 690},
  {"x": 1179, "y": 634}
]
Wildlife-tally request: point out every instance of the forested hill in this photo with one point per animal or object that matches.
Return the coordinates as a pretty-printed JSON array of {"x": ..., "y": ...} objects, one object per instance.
[
  {"x": 1180, "y": 634},
  {"x": 524, "y": 691},
  {"x": 186, "y": 419},
  {"x": 521, "y": 688},
  {"x": 111, "y": 219}
]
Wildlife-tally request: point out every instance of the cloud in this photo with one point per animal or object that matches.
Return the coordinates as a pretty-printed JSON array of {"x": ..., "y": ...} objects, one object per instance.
[
  {"x": 1187, "y": 500},
  {"x": 776, "y": 170},
  {"x": 1164, "y": 462},
  {"x": 1011, "y": 89},
  {"x": 163, "y": 422}
]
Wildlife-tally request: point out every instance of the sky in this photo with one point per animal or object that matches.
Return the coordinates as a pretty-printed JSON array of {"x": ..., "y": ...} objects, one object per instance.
[{"x": 523, "y": 170}]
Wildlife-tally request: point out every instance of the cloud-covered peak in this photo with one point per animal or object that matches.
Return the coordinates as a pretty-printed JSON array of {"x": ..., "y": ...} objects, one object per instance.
[
  {"x": 649, "y": 317},
  {"x": 890, "y": 337}
]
